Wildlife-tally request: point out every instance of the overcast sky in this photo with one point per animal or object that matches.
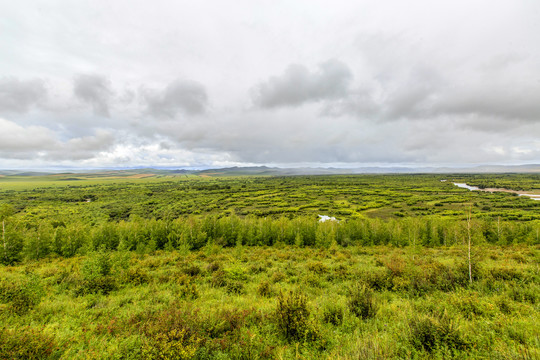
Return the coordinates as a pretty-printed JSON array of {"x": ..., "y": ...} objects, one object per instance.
[{"x": 288, "y": 83}]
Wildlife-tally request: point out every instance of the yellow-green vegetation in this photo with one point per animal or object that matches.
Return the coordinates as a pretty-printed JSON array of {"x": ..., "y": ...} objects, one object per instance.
[
  {"x": 267, "y": 302},
  {"x": 186, "y": 267}
]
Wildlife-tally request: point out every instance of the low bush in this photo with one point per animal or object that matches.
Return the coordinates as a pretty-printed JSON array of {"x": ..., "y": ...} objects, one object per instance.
[
  {"x": 277, "y": 276},
  {"x": 192, "y": 270},
  {"x": 219, "y": 279},
  {"x": 28, "y": 344},
  {"x": 292, "y": 317},
  {"x": 96, "y": 275},
  {"x": 317, "y": 267},
  {"x": 98, "y": 285},
  {"x": 213, "y": 267},
  {"x": 264, "y": 289},
  {"x": 429, "y": 334},
  {"x": 505, "y": 273},
  {"x": 333, "y": 314},
  {"x": 136, "y": 276},
  {"x": 525, "y": 293},
  {"x": 175, "y": 344},
  {"x": 235, "y": 287},
  {"x": 21, "y": 294},
  {"x": 187, "y": 289},
  {"x": 361, "y": 302}
]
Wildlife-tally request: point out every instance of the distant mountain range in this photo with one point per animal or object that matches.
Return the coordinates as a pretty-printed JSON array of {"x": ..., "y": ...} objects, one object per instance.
[
  {"x": 264, "y": 170},
  {"x": 275, "y": 171}
]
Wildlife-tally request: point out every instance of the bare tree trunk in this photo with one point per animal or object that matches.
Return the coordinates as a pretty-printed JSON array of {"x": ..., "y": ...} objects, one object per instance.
[
  {"x": 469, "y": 244},
  {"x": 498, "y": 228},
  {"x": 4, "y": 238}
]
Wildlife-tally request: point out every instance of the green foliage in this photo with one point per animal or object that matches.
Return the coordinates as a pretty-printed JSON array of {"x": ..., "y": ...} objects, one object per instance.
[
  {"x": 429, "y": 334},
  {"x": 162, "y": 309},
  {"x": 198, "y": 263},
  {"x": 333, "y": 314},
  {"x": 361, "y": 302},
  {"x": 192, "y": 270},
  {"x": 21, "y": 294},
  {"x": 264, "y": 289},
  {"x": 219, "y": 279},
  {"x": 137, "y": 276},
  {"x": 235, "y": 287},
  {"x": 27, "y": 344},
  {"x": 175, "y": 344},
  {"x": 293, "y": 318},
  {"x": 97, "y": 274},
  {"x": 195, "y": 213}
]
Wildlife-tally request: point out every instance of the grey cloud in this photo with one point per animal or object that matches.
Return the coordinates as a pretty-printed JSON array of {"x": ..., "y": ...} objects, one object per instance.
[
  {"x": 396, "y": 88},
  {"x": 94, "y": 90},
  {"x": 19, "y": 96},
  {"x": 185, "y": 96},
  {"x": 297, "y": 85},
  {"x": 82, "y": 148},
  {"x": 497, "y": 102}
]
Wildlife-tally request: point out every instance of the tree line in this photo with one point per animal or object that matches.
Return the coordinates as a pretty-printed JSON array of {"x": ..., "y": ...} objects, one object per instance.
[{"x": 24, "y": 239}]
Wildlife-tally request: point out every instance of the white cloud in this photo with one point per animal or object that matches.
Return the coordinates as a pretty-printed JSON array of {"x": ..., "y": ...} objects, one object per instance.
[{"x": 210, "y": 82}]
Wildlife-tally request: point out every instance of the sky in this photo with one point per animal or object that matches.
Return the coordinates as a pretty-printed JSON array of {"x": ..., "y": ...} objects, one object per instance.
[{"x": 198, "y": 84}]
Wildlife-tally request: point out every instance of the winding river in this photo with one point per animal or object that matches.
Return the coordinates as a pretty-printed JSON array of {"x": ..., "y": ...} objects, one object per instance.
[{"x": 520, "y": 193}]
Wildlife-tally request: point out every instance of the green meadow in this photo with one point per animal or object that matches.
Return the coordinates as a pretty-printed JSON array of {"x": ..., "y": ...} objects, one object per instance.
[{"x": 180, "y": 266}]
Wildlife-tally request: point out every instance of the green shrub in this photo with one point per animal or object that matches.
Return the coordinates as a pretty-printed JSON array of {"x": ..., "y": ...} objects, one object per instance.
[
  {"x": 236, "y": 273},
  {"x": 471, "y": 306},
  {"x": 292, "y": 315},
  {"x": 96, "y": 275},
  {"x": 137, "y": 276},
  {"x": 277, "y": 276},
  {"x": 213, "y": 267},
  {"x": 235, "y": 287},
  {"x": 175, "y": 344},
  {"x": 96, "y": 264},
  {"x": 192, "y": 270},
  {"x": 525, "y": 293},
  {"x": 361, "y": 302},
  {"x": 333, "y": 314},
  {"x": 505, "y": 273},
  {"x": 264, "y": 289},
  {"x": 377, "y": 280},
  {"x": 98, "y": 285},
  {"x": 188, "y": 289},
  {"x": 428, "y": 334},
  {"x": 318, "y": 267},
  {"x": 462, "y": 270},
  {"x": 219, "y": 279},
  {"x": 21, "y": 294},
  {"x": 27, "y": 344},
  {"x": 257, "y": 269}
]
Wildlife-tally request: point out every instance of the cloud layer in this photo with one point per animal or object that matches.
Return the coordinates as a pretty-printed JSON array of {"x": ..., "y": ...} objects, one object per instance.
[
  {"x": 20, "y": 96},
  {"x": 306, "y": 83},
  {"x": 297, "y": 85}
]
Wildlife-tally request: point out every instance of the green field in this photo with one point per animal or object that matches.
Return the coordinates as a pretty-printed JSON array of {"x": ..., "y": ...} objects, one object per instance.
[{"x": 182, "y": 266}]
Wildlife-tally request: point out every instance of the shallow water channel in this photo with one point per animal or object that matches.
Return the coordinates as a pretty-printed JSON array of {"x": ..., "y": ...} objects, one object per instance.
[{"x": 520, "y": 193}]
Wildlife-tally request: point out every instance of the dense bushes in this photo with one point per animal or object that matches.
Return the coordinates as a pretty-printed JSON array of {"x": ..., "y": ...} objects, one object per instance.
[
  {"x": 428, "y": 334},
  {"x": 27, "y": 344},
  {"x": 393, "y": 303},
  {"x": 361, "y": 302},
  {"x": 293, "y": 318},
  {"x": 21, "y": 294}
]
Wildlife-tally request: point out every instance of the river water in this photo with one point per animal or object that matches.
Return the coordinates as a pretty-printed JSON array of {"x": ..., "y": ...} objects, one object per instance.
[{"x": 474, "y": 188}]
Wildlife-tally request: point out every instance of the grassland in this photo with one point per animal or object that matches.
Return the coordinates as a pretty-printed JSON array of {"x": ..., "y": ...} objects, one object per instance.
[{"x": 188, "y": 267}]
